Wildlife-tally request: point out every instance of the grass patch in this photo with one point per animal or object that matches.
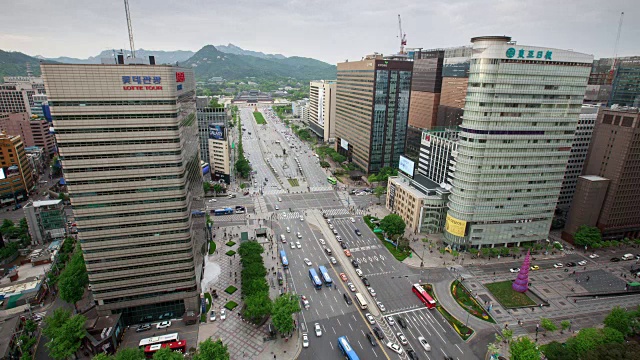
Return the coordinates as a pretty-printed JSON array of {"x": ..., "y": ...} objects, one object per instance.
[
  {"x": 230, "y": 243},
  {"x": 230, "y": 253},
  {"x": 259, "y": 118},
  {"x": 212, "y": 247},
  {"x": 465, "y": 332},
  {"x": 231, "y": 305},
  {"x": 398, "y": 254},
  {"x": 508, "y": 297},
  {"x": 209, "y": 300},
  {"x": 293, "y": 182},
  {"x": 230, "y": 290},
  {"x": 469, "y": 303},
  {"x": 203, "y": 318}
]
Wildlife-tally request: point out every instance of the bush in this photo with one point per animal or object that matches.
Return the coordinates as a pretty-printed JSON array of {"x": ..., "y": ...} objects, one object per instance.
[
  {"x": 212, "y": 247},
  {"x": 230, "y": 253},
  {"x": 230, "y": 290},
  {"x": 209, "y": 300},
  {"x": 230, "y": 243},
  {"x": 231, "y": 305}
]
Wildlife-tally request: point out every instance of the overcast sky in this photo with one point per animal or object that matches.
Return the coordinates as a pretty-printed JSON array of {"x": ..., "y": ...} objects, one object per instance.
[{"x": 328, "y": 30}]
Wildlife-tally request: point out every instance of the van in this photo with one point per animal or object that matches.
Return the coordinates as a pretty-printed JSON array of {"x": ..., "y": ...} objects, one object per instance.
[
  {"x": 282, "y": 238},
  {"x": 627, "y": 257},
  {"x": 327, "y": 250}
]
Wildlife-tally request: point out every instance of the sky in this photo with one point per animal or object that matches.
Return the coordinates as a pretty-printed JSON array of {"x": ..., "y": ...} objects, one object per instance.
[{"x": 328, "y": 30}]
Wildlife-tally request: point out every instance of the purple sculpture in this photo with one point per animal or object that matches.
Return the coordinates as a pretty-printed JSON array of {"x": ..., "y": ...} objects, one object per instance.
[{"x": 522, "y": 281}]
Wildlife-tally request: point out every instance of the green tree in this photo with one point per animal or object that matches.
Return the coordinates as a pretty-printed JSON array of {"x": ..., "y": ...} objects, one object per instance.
[
  {"x": 565, "y": 324},
  {"x": 214, "y": 103},
  {"x": 73, "y": 279},
  {"x": 324, "y": 164},
  {"x": 378, "y": 192},
  {"x": 625, "y": 351},
  {"x": 393, "y": 224},
  {"x": 26, "y": 343},
  {"x": 372, "y": 178},
  {"x": 250, "y": 247},
  {"x": 258, "y": 305},
  {"x": 102, "y": 356},
  {"x": 548, "y": 325},
  {"x": 587, "y": 236},
  {"x": 217, "y": 189},
  {"x": 206, "y": 186},
  {"x": 524, "y": 349},
  {"x": 167, "y": 354},
  {"x": 210, "y": 349},
  {"x": 620, "y": 320},
  {"x": 611, "y": 335},
  {"x": 557, "y": 351},
  {"x": 285, "y": 305},
  {"x": 65, "y": 333},
  {"x": 505, "y": 336},
  {"x": 30, "y": 326},
  {"x": 586, "y": 340}
]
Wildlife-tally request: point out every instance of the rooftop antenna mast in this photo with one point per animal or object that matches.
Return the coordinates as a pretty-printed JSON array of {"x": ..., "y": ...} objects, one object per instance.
[
  {"x": 133, "y": 48},
  {"x": 615, "y": 49}
]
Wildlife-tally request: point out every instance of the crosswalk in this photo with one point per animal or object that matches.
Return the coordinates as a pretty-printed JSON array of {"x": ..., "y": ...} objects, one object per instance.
[
  {"x": 273, "y": 191},
  {"x": 322, "y": 188},
  {"x": 334, "y": 212},
  {"x": 229, "y": 218},
  {"x": 289, "y": 215}
]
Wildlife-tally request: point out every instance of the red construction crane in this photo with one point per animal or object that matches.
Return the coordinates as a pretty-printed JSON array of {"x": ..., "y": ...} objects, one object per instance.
[{"x": 402, "y": 36}]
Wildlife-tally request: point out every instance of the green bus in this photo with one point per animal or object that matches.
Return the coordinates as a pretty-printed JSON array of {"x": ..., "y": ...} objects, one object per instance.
[{"x": 332, "y": 180}]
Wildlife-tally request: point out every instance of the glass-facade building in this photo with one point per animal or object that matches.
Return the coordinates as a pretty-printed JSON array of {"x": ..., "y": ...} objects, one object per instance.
[
  {"x": 520, "y": 115},
  {"x": 626, "y": 84}
]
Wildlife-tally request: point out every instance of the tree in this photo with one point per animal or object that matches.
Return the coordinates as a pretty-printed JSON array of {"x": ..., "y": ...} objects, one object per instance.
[
  {"x": 258, "y": 305},
  {"x": 565, "y": 324},
  {"x": 548, "y": 325},
  {"x": 379, "y": 191},
  {"x": 505, "y": 336},
  {"x": 372, "y": 178},
  {"x": 65, "y": 333},
  {"x": 524, "y": 349},
  {"x": 586, "y": 340},
  {"x": 206, "y": 186},
  {"x": 210, "y": 349},
  {"x": 214, "y": 103},
  {"x": 285, "y": 305},
  {"x": 393, "y": 224},
  {"x": 587, "y": 236},
  {"x": 130, "y": 354},
  {"x": 611, "y": 335},
  {"x": 30, "y": 326},
  {"x": 73, "y": 279},
  {"x": 557, "y": 351},
  {"x": 217, "y": 189},
  {"x": 620, "y": 320},
  {"x": 167, "y": 354},
  {"x": 625, "y": 351}
]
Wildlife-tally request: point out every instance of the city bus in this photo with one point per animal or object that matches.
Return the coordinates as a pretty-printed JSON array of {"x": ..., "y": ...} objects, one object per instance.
[
  {"x": 225, "y": 211},
  {"x": 180, "y": 346},
  {"x": 422, "y": 294},
  {"x": 161, "y": 339},
  {"x": 346, "y": 349},
  {"x": 315, "y": 279},
  {"x": 283, "y": 258},
  {"x": 361, "y": 301},
  {"x": 325, "y": 276},
  {"x": 332, "y": 180}
]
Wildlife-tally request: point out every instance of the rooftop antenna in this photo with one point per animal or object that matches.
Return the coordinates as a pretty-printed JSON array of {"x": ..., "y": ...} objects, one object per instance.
[
  {"x": 615, "y": 48},
  {"x": 126, "y": 10}
]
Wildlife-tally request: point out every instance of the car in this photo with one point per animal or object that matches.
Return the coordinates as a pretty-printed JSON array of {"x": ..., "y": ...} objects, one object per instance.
[
  {"x": 424, "y": 343},
  {"x": 371, "y": 339},
  {"x": 343, "y": 245},
  {"x": 370, "y": 318},
  {"x": 328, "y": 221},
  {"x": 330, "y": 226},
  {"x": 355, "y": 264},
  {"x": 213, "y": 200},
  {"x": 343, "y": 277},
  {"x": 212, "y": 316},
  {"x": 535, "y": 267},
  {"x": 412, "y": 354},
  {"x": 378, "y": 332},
  {"x": 333, "y": 260},
  {"x": 593, "y": 256},
  {"x": 288, "y": 229},
  {"x": 318, "y": 329},
  {"x": 279, "y": 198},
  {"x": 305, "y": 301},
  {"x": 514, "y": 270},
  {"x": 301, "y": 218},
  {"x": 351, "y": 287},
  {"x": 395, "y": 347},
  {"x": 145, "y": 327},
  {"x": 223, "y": 314},
  {"x": 352, "y": 220},
  {"x": 293, "y": 245},
  {"x": 347, "y": 252},
  {"x": 365, "y": 281},
  {"x": 299, "y": 235},
  {"x": 327, "y": 250},
  {"x": 401, "y": 321},
  {"x": 298, "y": 245},
  {"x": 305, "y": 340},
  {"x": 324, "y": 215},
  {"x": 403, "y": 340},
  {"x": 283, "y": 239},
  {"x": 582, "y": 262},
  {"x": 322, "y": 241},
  {"x": 339, "y": 238},
  {"x": 347, "y": 299},
  {"x": 390, "y": 320},
  {"x": 307, "y": 262},
  {"x": 371, "y": 291},
  {"x": 277, "y": 207},
  {"x": 614, "y": 259},
  {"x": 358, "y": 232},
  {"x": 359, "y": 272},
  {"x": 570, "y": 264},
  {"x": 335, "y": 232},
  {"x": 163, "y": 325},
  {"x": 558, "y": 265},
  {"x": 381, "y": 306}
]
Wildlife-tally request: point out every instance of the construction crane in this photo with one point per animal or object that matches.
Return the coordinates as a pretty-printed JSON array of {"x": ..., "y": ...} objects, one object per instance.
[
  {"x": 126, "y": 10},
  {"x": 403, "y": 36},
  {"x": 615, "y": 48}
]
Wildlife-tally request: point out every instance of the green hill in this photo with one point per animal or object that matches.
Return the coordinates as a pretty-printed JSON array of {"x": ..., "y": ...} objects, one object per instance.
[{"x": 15, "y": 64}]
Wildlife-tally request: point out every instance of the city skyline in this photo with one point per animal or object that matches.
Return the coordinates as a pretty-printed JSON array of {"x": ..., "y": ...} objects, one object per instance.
[{"x": 336, "y": 35}]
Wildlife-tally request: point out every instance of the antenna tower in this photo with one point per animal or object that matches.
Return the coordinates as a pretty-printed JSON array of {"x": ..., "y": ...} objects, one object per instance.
[{"x": 126, "y": 10}]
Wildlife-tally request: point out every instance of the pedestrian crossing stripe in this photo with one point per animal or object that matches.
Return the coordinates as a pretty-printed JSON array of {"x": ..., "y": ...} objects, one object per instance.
[{"x": 234, "y": 217}]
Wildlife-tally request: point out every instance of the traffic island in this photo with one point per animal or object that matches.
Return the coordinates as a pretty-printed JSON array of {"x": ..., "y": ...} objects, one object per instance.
[
  {"x": 230, "y": 290},
  {"x": 293, "y": 182},
  {"x": 503, "y": 292},
  {"x": 231, "y": 305},
  {"x": 230, "y": 253},
  {"x": 468, "y": 302},
  {"x": 461, "y": 329},
  {"x": 399, "y": 254},
  {"x": 259, "y": 118}
]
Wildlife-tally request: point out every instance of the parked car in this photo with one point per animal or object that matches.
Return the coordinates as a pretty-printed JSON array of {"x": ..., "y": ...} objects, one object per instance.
[
  {"x": 355, "y": 264},
  {"x": 212, "y": 316},
  {"x": 614, "y": 259},
  {"x": 535, "y": 267},
  {"x": 570, "y": 264},
  {"x": 371, "y": 291},
  {"x": 343, "y": 245},
  {"x": 223, "y": 314},
  {"x": 351, "y": 287},
  {"x": 163, "y": 324},
  {"x": 305, "y": 340},
  {"x": 412, "y": 354},
  {"x": 514, "y": 270},
  {"x": 347, "y": 252},
  {"x": 558, "y": 265},
  {"x": 594, "y": 256},
  {"x": 380, "y": 306},
  {"x": 305, "y": 301},
  {"x": 359, "y": 272},
  {"x": 401, "y": 321},
  {"x": 143, "y": 327},
  {"x": 365, "y": 281},
  {"x": 390, "y": 320},
  {"x": 582, "y": 262}
]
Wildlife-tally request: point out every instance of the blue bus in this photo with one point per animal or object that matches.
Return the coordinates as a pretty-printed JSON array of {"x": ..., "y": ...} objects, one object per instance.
[
  {"x": 325, "y": 276},
  {"x": 346, "y": 348},
  {"x": 283, "y": 257},
  {"x": 225, "y": 211},
  {"x": 315, "y": 280}
]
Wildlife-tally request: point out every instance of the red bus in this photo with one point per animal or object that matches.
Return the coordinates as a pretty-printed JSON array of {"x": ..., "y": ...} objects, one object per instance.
[
  {"x": 180, "y": 346},
  {"x": 422, "y": 294}
]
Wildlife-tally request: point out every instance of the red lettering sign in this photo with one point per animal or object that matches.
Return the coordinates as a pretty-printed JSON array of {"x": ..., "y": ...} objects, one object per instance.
[{"x": 180, "y": 77}]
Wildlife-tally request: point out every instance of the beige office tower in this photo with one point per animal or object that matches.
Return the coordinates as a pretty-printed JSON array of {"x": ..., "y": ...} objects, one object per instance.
[{"x": 128, "y": 140}]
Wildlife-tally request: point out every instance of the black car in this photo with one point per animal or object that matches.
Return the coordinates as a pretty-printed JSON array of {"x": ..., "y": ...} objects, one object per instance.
[
  {"x": 400, "y": 320},
  {"x": 324, "y": 215},
  {"x": 343, "y": 245},
  {"x": 347, "y": 299},
  {"x": 366, "y": 282},
  {"x": 571, "y": 264},
  {"x": 412, "y": 354},
  {"x": 143, "y": 327},
  {"x": 358, "y": 232},
  {"x": 614, "y": 259},
  {"x": 371, "y": 339},
  {"x": 355, "y": 263},
  {"x": 378, "y": 332}
]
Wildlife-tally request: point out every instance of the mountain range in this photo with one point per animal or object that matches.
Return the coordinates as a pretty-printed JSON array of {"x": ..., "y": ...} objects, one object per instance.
[{"x": 227, "y": 61}]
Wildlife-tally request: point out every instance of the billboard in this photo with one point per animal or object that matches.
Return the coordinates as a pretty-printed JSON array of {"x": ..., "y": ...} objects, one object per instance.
[
  {"x": 455, "y": 227},
  {"x": 216, "y": 132},
  {"x": 344, "y": 144},
  {"x": 406, "y": 166}
]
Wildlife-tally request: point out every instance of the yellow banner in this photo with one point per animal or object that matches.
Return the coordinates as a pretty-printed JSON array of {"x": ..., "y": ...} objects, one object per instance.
[{"x": 455, "y": 227}]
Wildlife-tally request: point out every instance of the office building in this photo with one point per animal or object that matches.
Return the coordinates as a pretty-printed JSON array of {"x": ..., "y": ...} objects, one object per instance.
[
  {"x": 590, "y": 193},
  {"x": 520, "y": 116},
  {"x": 626, "y": 83},
  {"x": 208, "y": 116},
  {"x": 322, "y": 108},
  {"x": 16, "y": 98},
  {"x": 218, "y": 147},
  {"x": 36, "y": 83},
  {"x": 614, "y": 154},
  {"x": 372, "y": 111},
  {"x": 33, "y": 130},
  {"x": 127, "y": 136},
  {"x": 437, "y": 155},
  {"x": 47, "y": 220},
  {"x": 579, "y": 149},
  {"x": 16, "y": 173}
]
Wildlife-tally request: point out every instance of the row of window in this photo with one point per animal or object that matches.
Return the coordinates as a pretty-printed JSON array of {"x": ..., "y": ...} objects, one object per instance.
[
  {"x": 121, "y": 226},
  {"x": 124, "y": 288},
  {"x": 136, "y": 236},
  {"x": 124, "y": 167},
  {"x": 112, "y": 103},
  {"x": 127, "y": 203},
  {"x": 127, "y": 191},
  {"x": 140, "y": 256},
  {"x": 125, "y": 180},
  {"x": 121, "y": 156},
  {"x": 63, "y": 145},
  {"x": 138, "y": 246},
  {"x": 127, "y": 278},
  {"x": 139, "y": 213},
  {"x": 85, "y": 130},
  {"x": 115, "y": 116},
  {"x": 149, "y": 295}
]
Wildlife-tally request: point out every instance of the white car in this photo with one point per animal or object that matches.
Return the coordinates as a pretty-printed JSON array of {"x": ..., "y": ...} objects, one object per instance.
[
  {"x": 164, "y": 324},
  {"x": 223, "y": 314},
  {"x": 305, "y": 340},
  {"x": 293, "y": 245},
  {"x": 288, "y": 229},
  {"x": 582, "y": 262},
  {"x": 213, "y": 316},
  {"x": 424, "y": 343},
  {"x": 395, "y": 347},
  {"x": 352, "y": 220},
  {"x": 299, "y": 235},
  {"x": 298, "y": 245},
  {"x": 380, "y": 306},
  {"x": 322, "y": 241},
  {"x": 307, "y": 262},
  {"x": 328, "y": 221},
  {"x": 370, "y": 318},
  {"x": 277, "y": 207},
  {"x": 371, "y": 291},
  {"x": 593, "y": 256},
  {"x": 403, "y": 340},
  {"x": 333, "y": 260},
  {"x": 390, "y": 320},
  {"x": 558, "y": 265},
  {"x": 514, "y": 270},
  {"x": 279, "y": 199},
  {"x": 359, "y": 272},
  {"x": 351, "y": 287},
  {"x": 330, "y": 226},
  {"x": 318, "y": 329},
  {"x": 339, "y": 238},
  {"x": 301, "y": 218}
]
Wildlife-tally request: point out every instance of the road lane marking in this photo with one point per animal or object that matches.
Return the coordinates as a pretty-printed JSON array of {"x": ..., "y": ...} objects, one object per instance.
[{"x": 459, "y": 348}]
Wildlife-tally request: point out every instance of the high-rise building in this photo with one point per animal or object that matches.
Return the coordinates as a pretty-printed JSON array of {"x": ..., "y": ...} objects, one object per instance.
[
  {"x": 16, "y": 98},
  {"x": 16, "y": 173},
  {"x": 520, "y": 115},
  {"x": 614, "y": 154},
  {"x": 626, "y": 83},
  {"x": 33, "y": 130},
  {"x": 208, "y": 116},
  {"x": 218, "y": 147},
  {"x": 128, "y": 140},
  {"x": 372, "y": 111},
  {"x": 322, "y": 108},
  {"x": 437, "y": 154},
  {"x": 579, "y": 149},
  {"x": 47, "y": 220}
]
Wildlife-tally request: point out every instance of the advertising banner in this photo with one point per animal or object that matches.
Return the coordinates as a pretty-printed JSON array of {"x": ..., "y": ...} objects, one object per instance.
[
  {"x": 344, "y": 144},
  {"x": 406, "y": 166},
  {"x": 216, "y": 132},
  {"x": 455, "y": 227}
]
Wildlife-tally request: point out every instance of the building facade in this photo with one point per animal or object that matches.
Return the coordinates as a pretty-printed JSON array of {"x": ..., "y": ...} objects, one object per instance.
[
  {"x": 128, "y": 141},
  {"x": 437, "y": 155},
  {"x": 218, "y": 147},
  {"x": 520, "y": 115},
  {"x": 591, "y": 191},
  {"x": 47, "y": 220},
  {"x": 626, "y": 83},
  {"x": 322, "y": 108},
  {"x": 33, "y": 130},
  {"x": 16, "y": 173},
  {"x": 372, "y": 111},
  {"x": 16, "y": 98},
  {"x": 207, "y": 117}
]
